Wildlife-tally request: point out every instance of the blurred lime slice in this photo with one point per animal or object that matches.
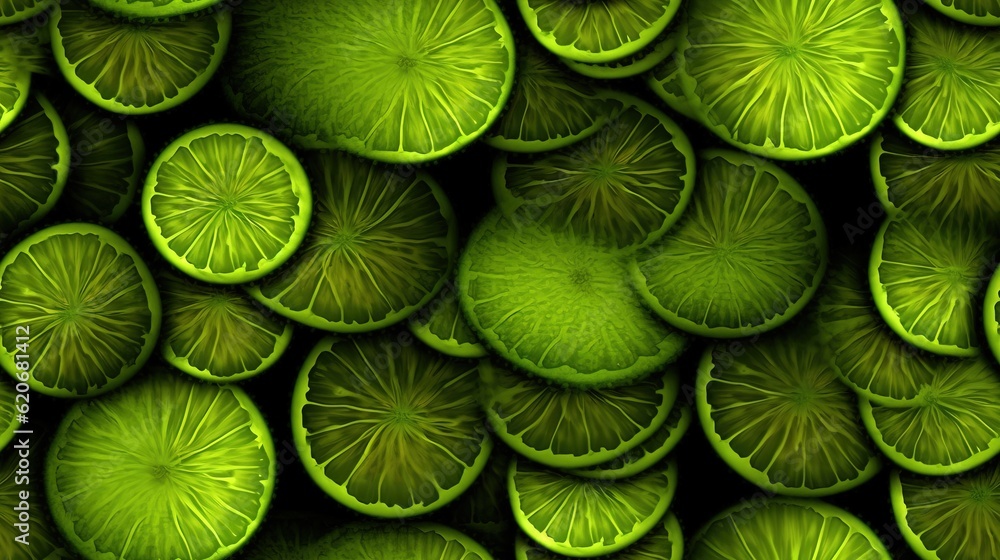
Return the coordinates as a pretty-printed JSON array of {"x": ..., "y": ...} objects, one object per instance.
[
  {"x": 158, "y": 8},
  {"x": 665, "y": 81},
  {"x": 441, "y": 325},
  {"x": 8, "y": 406},
  {"x": 394, "y": 541},
  {"x": 15, "y": 77},
  {"x": 483, "y": 511},
  {"x": 642, "y": 61},
  {"x": 290, "y": 536},
  {"x": 976, "y": 12},
  {"x": 14, "y": 11},
  {"x": 664, "y": 542},
  {"x": 43, "y": 539}
]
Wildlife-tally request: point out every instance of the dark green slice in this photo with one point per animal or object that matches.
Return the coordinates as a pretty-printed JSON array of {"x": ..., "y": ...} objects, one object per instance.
[
  {"x": 38, "y": 538},
  {"x": 15, "y": 77},
  {"x": 394, "y": 541},
  {"x": 441, "y": 325},
  {"x": 483, "y": 511},
  {"x": 290, "y": 536}
]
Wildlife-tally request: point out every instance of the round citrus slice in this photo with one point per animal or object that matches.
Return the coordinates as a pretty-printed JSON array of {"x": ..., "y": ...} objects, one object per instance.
[
  {"x": 389, "y": 430},
  {"x": 664, "y": 542},
  {"x": 138, "y": 67},
  {"x": 783, "y": 528},
  {"x": 12, "y": 400},
  {"x": 15, "y": 79},
  {"x": 155, "y": 8},
  {"x": 14, "y": 11},
  {"x": 35, "y": 159},
  {"x": 778, "y": 414},
  {"x": 792, "y": 82},
  {"x": 86, "y": 302},
  {"x": 745, "y": 258},
  {"x": 913, "y": 179},
  {"x": 951, "y": 96},
  {"x": 441, "y": 325},
  {"x": 952, "y": 426},
  {"x": 583, "y": 517},
  {"x": 227, "y": 203},
  {"x": 30, "y": 536},
  {"x": 665, "y": 81},
  {"x": 165, "y": 468},
  {"x": 595, "y": 33},
  {"x": 400, "y": 542},
  {"x": 949, "y": 519},
  {"x": 381, "y": 245},
  {"x": 629, "y": 66},
  {"x": 567, "y": 428},
  {"x": 625, "y": 185},
  {"x": 871, "y": 358},
  {"x": 559, "y": 306},
  {"x": 925, "y": 274},
  {"x": 976, "y": 12},
  {"x": 218, "y": 334},
  {"x": 401, "y": 81}
]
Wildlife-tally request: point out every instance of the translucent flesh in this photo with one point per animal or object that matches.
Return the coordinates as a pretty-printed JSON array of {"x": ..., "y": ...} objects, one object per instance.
[
  {"x": 44, "y": 542},
  {"x": 441, "y": 325},
  {"x": 154, "y": 8},
  {"x": 13, "y": 11},
  {"x": 400, "y": 542},
  {"x": 978, "y": 12},
  {"x": 665, "y": 542},
  {"x": 15, "y": 78}
]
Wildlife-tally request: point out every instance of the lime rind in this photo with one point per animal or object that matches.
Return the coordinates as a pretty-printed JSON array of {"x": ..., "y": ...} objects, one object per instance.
[
  {"x": 665, "y": 542},
  {"x": 627, "y": 67},
  {"x": 16, "y": 11},
  {"x": 665, "y": 81},
  {"x": 441, "y": 325},
  {"x": 973, "y": 12},
  {"x": 151, "y": 9},
  {"x": 991, "y": 314},
  {"x": 400, "y": 541},
  {"x": 15, "y": 83}
]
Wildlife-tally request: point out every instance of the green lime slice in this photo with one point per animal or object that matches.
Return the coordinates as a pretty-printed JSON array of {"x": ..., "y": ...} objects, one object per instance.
[
  {"x": 88, "y": 305},
  {"x": 976, "y": 12},
  {"x": 949, "y": 519},
  {"x": 157, "y": 8},
  {"x": 914, "y": 179},
  {"x": 400, "y": 542},
  {"x": 559, "y": 306},
  {"x": 925, "y": 274},
  {"x": 165, "y": 468},
  {"x": 38, "y": 539},
  {"x": 792, "y": 81},
  {"x": 35, "y": 159},
  {"x": 952, "y": 426},
  {"x": 11, "y": 400},
  {"x": 218, "y": 334},
  {"x": 441, "y": 325},
  {"x": 567, "y": 428},
  {"x": 15, "y": 77},
  {"x": 227, "y": 203},
  {"x": 665, "y": 81},
  {"x": 867, "y": 355},
  {"x": 951, "y": 96},
  {"x": 583, "y": 517},
  {"x": 386, "y": 429},
  {"x": 401, "y": 81},
  {"x": 778, "y": 414},
  {"x": 14, "y": 11},
  {"x": 664, "y": 542},
  {"x": 595, "y": 33},
  {"x": 626, "y": 184},
  {"x": 549, "y": 108},
  {"x": 140, "y": 67},
  {"x": 629, "y": 66},
  {"x": 483, "y": 511},
  {"x": 991, "y": 314},
  {"x": 289, "y": 535},
  {"x": 787, "y": 529},
  {"x": 745, "y": 258},
  {"x": 380, "y": 247}
]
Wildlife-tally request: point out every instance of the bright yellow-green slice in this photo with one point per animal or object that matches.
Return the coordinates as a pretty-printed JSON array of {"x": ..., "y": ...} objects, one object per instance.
[
  {"x": 665, "y": 542},
  {"x": 15, "y": 77},
  {"x": 642, "y": 61},
  {"x": 37, "y": 539},
  {"x": 976, "y": 12},
  {"x": 441, "y": 325},
  {"x": 395, "y": 541},
  {"x": 991, "y": 314},
  {"x": 159, "y": 8}
]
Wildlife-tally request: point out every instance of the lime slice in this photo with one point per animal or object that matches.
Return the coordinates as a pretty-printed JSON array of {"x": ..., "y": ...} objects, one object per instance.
[
  {"x": 549, "y": 108},
  {"x": 665, "y": 81},
  {"x": 787, "y": 529},
  {"x": 483, "y": 511},
  {"x": 140, "y": 67},
  {"x": 559, "y": 306},
  {"x": 227, "y": 203},
  {"x": 38, "y": 539},
  {"x": 381, "y": 245},
  {"x": 952, "y": 426},
  {"x": 594, "y": 33},
  {"x": 441, "y": 325},
  {"x": 951, "y": 97},
  {"x": 401, "y": 81},
  {"x": 646, "y": 454},
  {"x": 35, "y": 159},
  {"x": 290, "y": 536},
  {"x": 626, "y": 184},
  {"x": 949, "y": 519},
  {"x": 976, "y": 12},
  {"x": 745, "y": 258},
  {"x": 569, "y": 428},
  {"x": 925, "y": 274},
  {"x": 664, "y": 542},
  {"x": 14, "y": 11},
  {"x": 165, "y": 468},
  {"x": 157, "y": 8},
  {"x": 218, "y": 334},
  {"x": 871, "y": 358},
  {"x": 583, "y": 517},
  {"x": 8, "y": 420},
  {"x": 991, "y": 314},
  {"x": 792, "y": 82},
  {"x": 88, "y": 305},
  {"x": 913, "y": 179},
  {"x": 777, "y": 413},
  {"x": 389, "y": 430},
  {"x": 629, "y": 66},
  {"x": 400, "y": 542},
  {"x": 15, "y": 77}
]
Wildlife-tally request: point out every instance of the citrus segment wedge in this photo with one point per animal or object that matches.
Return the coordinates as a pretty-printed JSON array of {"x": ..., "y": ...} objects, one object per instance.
[
  {"x": 665, "y": 542},
  {"x": 441, "y": 325}
]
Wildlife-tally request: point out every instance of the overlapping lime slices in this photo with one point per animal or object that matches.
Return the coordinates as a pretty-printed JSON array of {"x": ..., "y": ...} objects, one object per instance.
[
  {"x": 583, "y": 517},
  {"x": 777, "y": 413},
  {"x": 15, "y": 80},
  {"x": 401, "y": 81},
  {"x": 226, "y": 203},
  {"x": 786, "y": 529},
  {"x": 949, "y": 519},
  {"x": 640, "y": 62},
  {"x": 386, "y": 430},
  {"x": 88, "y": 303},
  {"x": 913, "y": 179},
  {"x": 665, "y": 81},
  {"x": 574, "y": 428},
  {"x": 665, "y": 542},
  {"x": 41, "y": 540},
  {"x": 559, "y": 306},
  {"x": 549, "y": 108},
  {"x": 792, "y": 81},
  {"x": 925, "y": 274},
  {"x": 400, "y": 542},
  {"x": 592, "y": 33},
  {"x": 137, "y": 67},
  {"x": 951, "y": 97},
  {"x": 165, "y": 468},
  {"x": 35, "y": 159},
  {"x": 624, "y": 186},
  {"x": 381, "y": 245},
  {"x": 976, "y": 12},
  {"x": 746, "y": 256},
  {"x": 13, "y": 11},
  {"x": 952, "y": 426},
  {"x": 154, "y": 8},
  {"x": 441, "y": 325}
]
